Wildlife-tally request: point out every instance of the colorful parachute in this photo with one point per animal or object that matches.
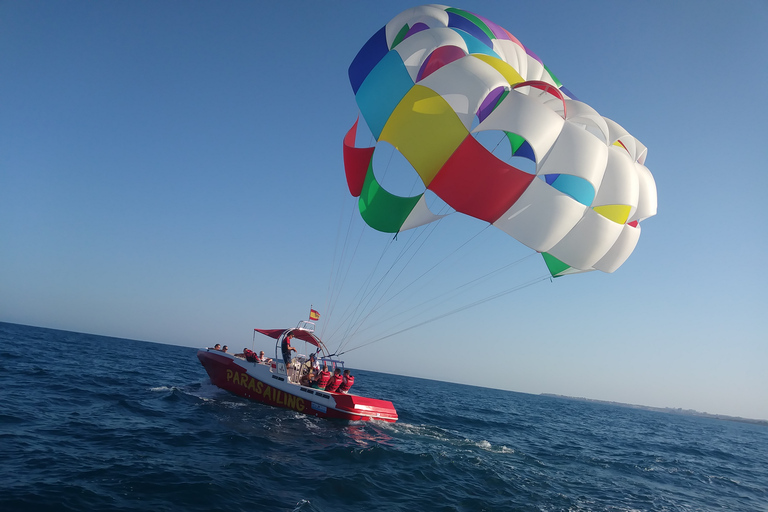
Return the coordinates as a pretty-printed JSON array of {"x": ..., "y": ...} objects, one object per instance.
[{"x": 435, "y": 78}]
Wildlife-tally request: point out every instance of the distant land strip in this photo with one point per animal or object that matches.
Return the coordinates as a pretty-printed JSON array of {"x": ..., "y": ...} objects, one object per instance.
[{"x": 670, "y": 410}]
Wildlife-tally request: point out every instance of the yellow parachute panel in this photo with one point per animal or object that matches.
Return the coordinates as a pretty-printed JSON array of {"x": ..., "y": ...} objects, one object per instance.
[{"x": 425, "y": 130}]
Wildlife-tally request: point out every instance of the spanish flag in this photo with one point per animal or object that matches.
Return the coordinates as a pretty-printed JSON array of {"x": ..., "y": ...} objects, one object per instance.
[{"x": 314, "y": 315}]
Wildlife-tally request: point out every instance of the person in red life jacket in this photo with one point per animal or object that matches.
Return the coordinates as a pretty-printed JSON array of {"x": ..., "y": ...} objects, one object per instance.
[
  {"x": 322, "y": 378},
  {"x": 346, "y": 382},
  {"x": 335, "y": 381},
  {"x": 249, "y": 355}
]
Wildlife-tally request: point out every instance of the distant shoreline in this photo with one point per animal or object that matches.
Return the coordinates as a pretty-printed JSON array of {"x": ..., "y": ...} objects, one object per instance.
[{"x": 670, "y": 410}]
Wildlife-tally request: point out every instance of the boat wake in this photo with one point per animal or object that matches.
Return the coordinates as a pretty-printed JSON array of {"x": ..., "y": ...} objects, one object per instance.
[
  {"x": 442, "y": 436},
  {"x": 202, "y": 390}
]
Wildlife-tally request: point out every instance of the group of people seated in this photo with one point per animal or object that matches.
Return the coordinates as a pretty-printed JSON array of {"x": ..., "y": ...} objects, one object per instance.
[
  {"x": 336, "y": 382},
  {"x": 247, "y": 354},
  {"x": 252, "y": 357}
]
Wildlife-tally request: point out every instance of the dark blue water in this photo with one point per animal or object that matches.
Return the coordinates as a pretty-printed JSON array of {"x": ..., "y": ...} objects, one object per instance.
[{"x": 95, "y": 423}]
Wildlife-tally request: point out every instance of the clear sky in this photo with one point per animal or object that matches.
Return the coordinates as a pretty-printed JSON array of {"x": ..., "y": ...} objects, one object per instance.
[{"x": 172, "y": 172}]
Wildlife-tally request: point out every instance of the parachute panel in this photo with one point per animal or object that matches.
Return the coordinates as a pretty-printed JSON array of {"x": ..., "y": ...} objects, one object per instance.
[
  {"x": 468, "y": 23},
  {"x": 423, "y": 111},
  {"x": 416, "y": 49},
  {"x": 579, "y": 158},
  {"x": 647, "y": 202},
  {"x": 619, "y": 192},
  {"x": 427, "y": 15},
  {"x": 528, "y": 118},
  {"x": 620, "y": 250},
  {"x": 356, "y": 162},
  {"x": 582, "y": 114},
  {"x": 367, "y": 59},
  {"x": 382, "y": 90},
  {"x": 511, "y": 76},
  {"x": 465, "y": 86},
  {"x": 476, "y": 183},
  {"x": 541, "y": 217},
  {"x": 420, "y": 215},
  {"x": 382, "y": 210},
  {"x": 588, "y": 241},
  {"x": 513, "y": 53}
]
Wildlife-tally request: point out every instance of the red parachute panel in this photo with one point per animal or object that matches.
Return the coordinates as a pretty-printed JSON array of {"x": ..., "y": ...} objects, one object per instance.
[{"x": 476, "y": 183}]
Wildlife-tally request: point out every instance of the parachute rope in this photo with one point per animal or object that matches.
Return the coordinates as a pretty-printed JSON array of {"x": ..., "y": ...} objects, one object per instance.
[
  {"x": 364, "y": 312},
  {"x": 363, "y": 309},
  {"x": 382, "y": 302},
  {"x": 330, "y": 299},
  {"x": 452, "y": 312},
  {"x": 433, "y": 302}
]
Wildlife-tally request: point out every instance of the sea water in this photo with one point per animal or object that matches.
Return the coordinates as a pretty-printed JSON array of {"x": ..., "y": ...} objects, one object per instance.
[{"x": 95, "y": 423}]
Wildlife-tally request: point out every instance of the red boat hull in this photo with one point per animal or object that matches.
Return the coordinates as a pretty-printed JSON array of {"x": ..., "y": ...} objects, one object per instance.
[{"x": 257, "y": 382}]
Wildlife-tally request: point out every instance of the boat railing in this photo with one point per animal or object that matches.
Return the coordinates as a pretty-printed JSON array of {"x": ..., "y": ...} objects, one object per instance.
[
  {"x": 306, "y": 325},
  {"x": 332, "y": 363}
]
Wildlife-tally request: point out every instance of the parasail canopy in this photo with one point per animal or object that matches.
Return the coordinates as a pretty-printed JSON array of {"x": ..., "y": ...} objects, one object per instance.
[{"x": 433, "y": 81}]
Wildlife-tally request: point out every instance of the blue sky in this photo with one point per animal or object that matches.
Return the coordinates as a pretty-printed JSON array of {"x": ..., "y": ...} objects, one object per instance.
[{"x": 172, "y": 172}]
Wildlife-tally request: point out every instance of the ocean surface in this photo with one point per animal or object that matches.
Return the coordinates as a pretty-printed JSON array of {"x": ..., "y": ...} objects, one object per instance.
[{"x": 96, "y": 423}]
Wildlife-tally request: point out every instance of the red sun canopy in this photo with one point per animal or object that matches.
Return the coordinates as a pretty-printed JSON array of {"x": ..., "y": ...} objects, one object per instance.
[{"x": 300, "y": 334}]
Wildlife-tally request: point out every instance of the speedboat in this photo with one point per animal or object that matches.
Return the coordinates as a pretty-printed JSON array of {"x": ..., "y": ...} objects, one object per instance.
[{"x": 275, "y": 383}]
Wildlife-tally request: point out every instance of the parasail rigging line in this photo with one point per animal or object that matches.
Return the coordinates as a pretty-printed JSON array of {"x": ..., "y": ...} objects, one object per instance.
[
  {"x": 330, "y": 298},
  {"x": 366, "y": 307},
  {"x": 357, "y": 315},
  {"x": 385, "y": 297},
  {"x": 360, "y": 294},
  {"x": 419, "y": 310},
  {"x": 327, "y": 306},
  {"x": 452, "y": 312}
]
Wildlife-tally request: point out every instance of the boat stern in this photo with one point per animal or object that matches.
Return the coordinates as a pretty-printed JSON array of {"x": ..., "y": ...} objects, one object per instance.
[{"x": 369, "y": 408}]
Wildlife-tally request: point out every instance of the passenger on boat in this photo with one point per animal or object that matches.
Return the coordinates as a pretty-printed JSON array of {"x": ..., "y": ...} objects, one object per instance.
[
  {"x": 307, "y": 378},
  {"x": 216, "y": 347},
  {"x": 311, "y": 364},
  {"x": 322, "y": 378},
  {"x": 287, "y": 349},
  {"x": 335, "y": 381},
  {"x": 346, "y": 383},
  {"x": 224, "y": 349},
  {"x": 249, "y": 355},
  {"x": 261, "y": 358}
]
